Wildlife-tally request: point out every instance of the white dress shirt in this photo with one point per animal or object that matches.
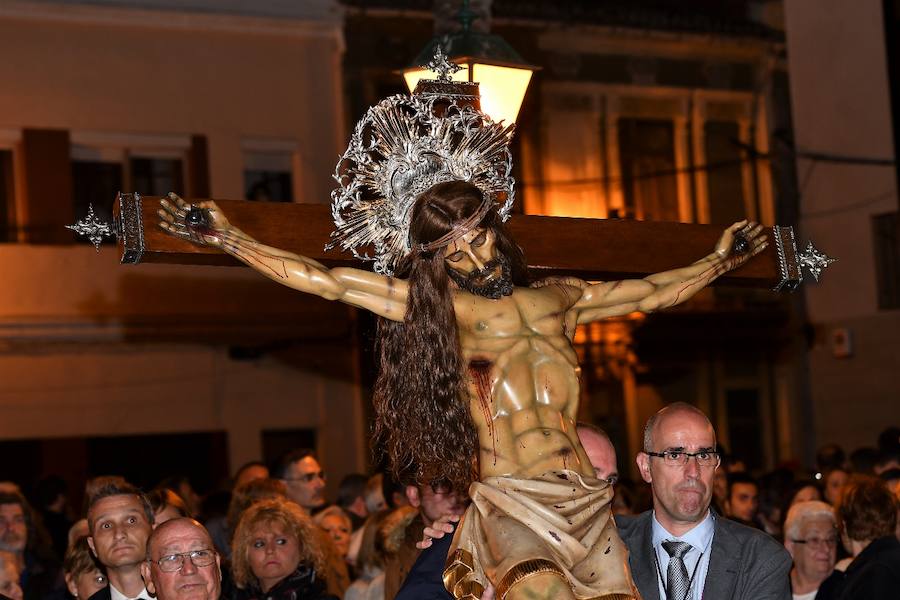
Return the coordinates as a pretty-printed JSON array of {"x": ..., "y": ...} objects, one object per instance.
[
  {"x": 696, "y": 560},
  {"x": 117, "y": 595}
]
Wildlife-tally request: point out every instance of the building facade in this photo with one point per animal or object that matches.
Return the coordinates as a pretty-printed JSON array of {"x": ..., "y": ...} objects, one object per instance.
[
  {"x": 843, "y": 63},
  {"x": 683, "y": 113},
  {"x": 218, "y": 99},
  {"x": 649, "y": 113}
]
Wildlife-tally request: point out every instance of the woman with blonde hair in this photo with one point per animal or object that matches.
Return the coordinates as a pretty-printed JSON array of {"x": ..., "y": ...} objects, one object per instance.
[
  {"x": 84, "y": 575},
  {"x": 369, "y": 585},
  {"x": 275, "y": 555},
  {"x": 337, "y": 524}
]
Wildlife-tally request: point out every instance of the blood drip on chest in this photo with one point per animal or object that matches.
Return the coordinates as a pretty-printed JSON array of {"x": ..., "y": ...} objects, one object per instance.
[{"x": 480, "y": 377}]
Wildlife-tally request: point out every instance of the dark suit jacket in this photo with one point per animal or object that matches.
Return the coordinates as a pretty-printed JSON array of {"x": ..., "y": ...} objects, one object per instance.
[
  {"x": 102, "y": 594},
  {"x": 43, "y": 579},
  {"x": 873, "y": 575},
  {"x": 425, "y": 580},
  {"x": 744, "y": 563}
]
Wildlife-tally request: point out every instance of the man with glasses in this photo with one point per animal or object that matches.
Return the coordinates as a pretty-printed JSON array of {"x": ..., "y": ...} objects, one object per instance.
[
  {"x": 436, "y": 502},
  {"x": 811, "y": 537},
  {"x": 304, "y": 482},
  {"x": 182, "y": 563},
  {"x": 680, "y": 550},
  {"x": 304, "y": 478}
]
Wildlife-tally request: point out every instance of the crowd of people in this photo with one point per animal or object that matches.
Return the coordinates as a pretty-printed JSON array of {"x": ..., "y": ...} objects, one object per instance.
[{"x": 697, "y": 525}]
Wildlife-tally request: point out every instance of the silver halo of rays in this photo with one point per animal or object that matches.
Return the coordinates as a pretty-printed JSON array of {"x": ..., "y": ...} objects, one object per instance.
[{"x": 399, "y": 149}]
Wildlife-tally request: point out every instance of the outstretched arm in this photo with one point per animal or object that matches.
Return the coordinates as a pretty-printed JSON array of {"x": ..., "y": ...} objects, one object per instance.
[
  {"x": 662, "y": 290},
  {"x": 385, "y": 296}
]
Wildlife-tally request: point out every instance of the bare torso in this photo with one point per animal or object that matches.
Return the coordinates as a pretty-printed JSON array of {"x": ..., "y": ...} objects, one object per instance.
[
  {"x": 522, "y": 372},
  {"x": 522, "y": 380}
]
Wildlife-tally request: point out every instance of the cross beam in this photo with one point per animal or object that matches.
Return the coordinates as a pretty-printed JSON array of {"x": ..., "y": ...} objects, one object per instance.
[{"x": 592, "y": 249}]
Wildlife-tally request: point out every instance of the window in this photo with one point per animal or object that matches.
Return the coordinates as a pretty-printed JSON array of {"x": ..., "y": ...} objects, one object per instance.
[
  {"x": 7, "y": 198},
  {"x": 156, "y": 176},
  {"x": 201, "y": 456},
  {"x": 105, "y": 164},
  {"x": 206, "y": 454},
  {"x": 744, "y": 425},
  {"x": 724, "y": 177},
  {"x": 267, "y": 176},
  {"x": 887, "y": 259},
  {"x": 95, "y": 183},
  {"x": 647, "y": 155}
]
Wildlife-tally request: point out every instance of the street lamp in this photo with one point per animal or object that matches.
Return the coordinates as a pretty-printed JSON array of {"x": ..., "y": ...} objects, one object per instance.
[{"x": 502, "y": 74}]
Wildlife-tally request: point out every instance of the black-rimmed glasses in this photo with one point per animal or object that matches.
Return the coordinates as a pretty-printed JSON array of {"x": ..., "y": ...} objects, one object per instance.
[
  {"x": 174, "y": 562},
  {"x": 307, "y": 477},
  {"x": 679, "y": 458}
]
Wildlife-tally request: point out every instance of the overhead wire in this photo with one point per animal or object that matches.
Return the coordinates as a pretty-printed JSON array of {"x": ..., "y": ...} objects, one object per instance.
[{"x": 814, "y": 159}]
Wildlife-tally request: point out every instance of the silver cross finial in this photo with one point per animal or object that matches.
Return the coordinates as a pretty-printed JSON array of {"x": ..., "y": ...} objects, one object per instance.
[
  {"x": 814, "y": 260},
  {"x": 93, "y": 228},
  {"x": 441, "y": 65}
]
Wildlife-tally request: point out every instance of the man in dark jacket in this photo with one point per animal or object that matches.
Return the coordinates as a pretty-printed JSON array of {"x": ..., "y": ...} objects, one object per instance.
[
  {"x": 432, "y": 502},
  {"x": 120, "y": 521},
  {"x": 680, "y": 549},
  {"x": 21, "y": 535},
  {"x": 867, "y": 520}
]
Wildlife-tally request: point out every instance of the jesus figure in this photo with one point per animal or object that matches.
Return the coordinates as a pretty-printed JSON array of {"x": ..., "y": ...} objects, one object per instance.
[{"x": 479, "y": 382}]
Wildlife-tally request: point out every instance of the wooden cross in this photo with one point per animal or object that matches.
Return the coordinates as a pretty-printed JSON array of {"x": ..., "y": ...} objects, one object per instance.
[{"x": 592, "y": 249}]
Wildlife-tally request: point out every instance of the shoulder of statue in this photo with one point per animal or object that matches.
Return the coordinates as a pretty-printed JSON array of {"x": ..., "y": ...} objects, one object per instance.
[
  {"x": 560, "y": 281},
  {"x": 569, "y": 290}
]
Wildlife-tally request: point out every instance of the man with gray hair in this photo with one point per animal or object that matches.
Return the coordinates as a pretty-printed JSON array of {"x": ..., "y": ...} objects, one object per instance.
[
  {"x": 680, "y": 550},
  {"x": 811, "y": 538},
  {"x": 20, "y": 535}
]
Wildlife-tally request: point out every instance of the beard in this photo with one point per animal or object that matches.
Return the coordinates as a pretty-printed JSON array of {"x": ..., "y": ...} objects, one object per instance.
[
  {"x": 480, "y": 282},
  {"x": 12, "y": 542}
]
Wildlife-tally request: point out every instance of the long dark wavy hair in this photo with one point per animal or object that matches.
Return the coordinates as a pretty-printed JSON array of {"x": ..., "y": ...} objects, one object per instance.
[{"x": 423, "y": 425}]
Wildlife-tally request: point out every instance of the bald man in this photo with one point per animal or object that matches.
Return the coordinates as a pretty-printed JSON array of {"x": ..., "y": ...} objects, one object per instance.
[
  {"x": 680, "y": 550},
  {"x": 182, "y": 563},
  {"x": 600, "y": 452}
]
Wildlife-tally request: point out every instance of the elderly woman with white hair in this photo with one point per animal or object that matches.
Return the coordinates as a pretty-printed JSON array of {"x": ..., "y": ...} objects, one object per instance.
[{"x": 811, "y": 537}]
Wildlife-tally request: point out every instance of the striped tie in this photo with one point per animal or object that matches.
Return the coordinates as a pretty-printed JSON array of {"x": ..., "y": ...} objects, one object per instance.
[{"x": 677, "y": 582}]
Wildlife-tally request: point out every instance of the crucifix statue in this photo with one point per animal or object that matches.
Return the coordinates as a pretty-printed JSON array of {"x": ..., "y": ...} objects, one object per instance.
[{"x": 478, "y": 385}]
